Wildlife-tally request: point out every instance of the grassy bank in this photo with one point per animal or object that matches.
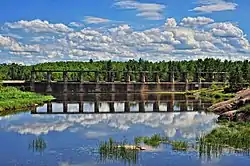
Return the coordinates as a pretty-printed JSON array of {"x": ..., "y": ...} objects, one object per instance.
[
  {"x": 14, "y": 99},
  {"x": 214, "y": 94}
]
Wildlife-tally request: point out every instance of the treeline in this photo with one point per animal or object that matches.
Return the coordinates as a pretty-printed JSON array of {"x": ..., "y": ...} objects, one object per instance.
[{"x": 238, "y": 71}]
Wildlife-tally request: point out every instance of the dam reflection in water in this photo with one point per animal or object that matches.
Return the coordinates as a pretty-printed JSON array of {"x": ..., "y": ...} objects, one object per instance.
[{"x": 95, "y": 103}]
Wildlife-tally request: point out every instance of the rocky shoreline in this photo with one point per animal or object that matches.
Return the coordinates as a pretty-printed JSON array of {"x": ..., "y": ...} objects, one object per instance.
[{"x": 233, "y": 109}]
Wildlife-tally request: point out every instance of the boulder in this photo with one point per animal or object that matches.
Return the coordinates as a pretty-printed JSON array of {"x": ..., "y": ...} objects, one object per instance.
[{"x": 242, "y": 98}]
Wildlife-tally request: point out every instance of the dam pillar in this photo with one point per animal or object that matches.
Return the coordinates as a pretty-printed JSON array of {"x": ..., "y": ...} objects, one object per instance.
[
  {"x": 96, "y": 107},
  {"x": 65, "y": 81},
  {"x": 32, "y": 81},
  {"x": 185, "y": 75},
  {"x": 142, "y": 106},
  {"x": 128, "y": 80},
  {"x": 80, "y": 79},
  {"x": 198, "y": 80},
  {"x": 172, "y": 80},
  {"x": 157, "y": 78},
  {"x": 97, "y": 80},
  {"x": 111, "y": 107},
  {"x": 170, "y": 104},
  {"x": 142, "y": 77},
  {"x": 49, "y": 107},
  {"x": 48, "y": 87},
  {"x": 81, "y": 103},
  {"x": 156, "y": 107},
  {"x": 126, "y": 107},
  {"x": 142, "y": 80}
]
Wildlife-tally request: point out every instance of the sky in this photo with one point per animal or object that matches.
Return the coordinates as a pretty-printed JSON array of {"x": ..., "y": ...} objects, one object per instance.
[{"x": 64, "y": 30}]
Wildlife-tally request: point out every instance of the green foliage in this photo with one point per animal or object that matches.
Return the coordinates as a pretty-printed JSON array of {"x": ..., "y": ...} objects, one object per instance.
[
  {"x": 13, "y": 99},
  {"x": 235, "y": 135},
  {"x": 238, "y": 70},
  {"x": 214, "y": 94},
  {"x": 245, "y": 108}
]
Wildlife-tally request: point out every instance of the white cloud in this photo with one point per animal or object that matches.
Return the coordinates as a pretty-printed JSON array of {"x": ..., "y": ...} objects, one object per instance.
[
  {"x": 192, "y": 38},
  {"x": 38, "y": 26},
  {"x": 196, "y": 21},
  {"x": 95, "y": 20},
  {"x": 150, "y": 11},
  {"x": 8, "y": 43},
  {"x": 76, "y": 24},
  {"x": 209, "y": 6},
  {"x": 189, "y": 124}
]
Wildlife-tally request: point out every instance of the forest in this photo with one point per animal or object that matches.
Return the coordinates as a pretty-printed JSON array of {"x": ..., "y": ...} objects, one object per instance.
[{"x": 237, "y": 71}]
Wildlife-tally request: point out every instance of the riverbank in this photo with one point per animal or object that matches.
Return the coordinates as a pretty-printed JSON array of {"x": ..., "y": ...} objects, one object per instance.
[{"x": 14, "y": 99}]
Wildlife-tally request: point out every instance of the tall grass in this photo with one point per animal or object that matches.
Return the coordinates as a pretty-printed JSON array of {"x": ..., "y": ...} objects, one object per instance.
[
  {"x": 13, "y": 99},
  {"x": 38, "y": 145},
  {"x": 235, "y": 135},
  {"x": 154, "y": 141},
  {"x": 116, "y": 151}
]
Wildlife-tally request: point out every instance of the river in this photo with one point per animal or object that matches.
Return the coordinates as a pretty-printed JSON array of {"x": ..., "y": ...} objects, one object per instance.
[{"x": 71, "y": 127}]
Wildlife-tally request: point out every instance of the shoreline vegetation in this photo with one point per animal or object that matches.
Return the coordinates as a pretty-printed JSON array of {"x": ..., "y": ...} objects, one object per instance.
[
  {"x": 13, "y": 99},
  {"x": 208, "y": 146}
]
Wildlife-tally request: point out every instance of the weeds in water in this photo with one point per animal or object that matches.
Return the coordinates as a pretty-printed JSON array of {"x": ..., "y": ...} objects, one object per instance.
[
  {"x": 38, "y": 145},
  {"x": 230, "y": 135},
  {"x": 118, "y": 151},
  {"x": 153, "y": 141},
  {"x": 179, "y": 145}
]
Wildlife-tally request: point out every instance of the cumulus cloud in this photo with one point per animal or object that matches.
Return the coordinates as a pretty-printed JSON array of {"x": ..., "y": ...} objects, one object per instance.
[
  {"x": 150, "y": 11},
  {"x": 38, "y": 26},
  {"x": 95, "y": 20},
  {"x": 76, "y": 24},
  {"x": 191, "y": 38},
  {"x": 195, "y": 21},
  {"x": 209, "y": 6},
  {"x": 10, "y": 44}
]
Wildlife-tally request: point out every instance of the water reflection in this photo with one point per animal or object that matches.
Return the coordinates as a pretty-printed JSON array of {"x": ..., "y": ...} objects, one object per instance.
[
  {"x": 126, "y": 103},
  {"x": 38, "y": 145},
  {"x": 73, "y": 125}
]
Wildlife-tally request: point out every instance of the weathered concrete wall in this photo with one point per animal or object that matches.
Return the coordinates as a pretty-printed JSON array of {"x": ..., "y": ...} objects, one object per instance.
[{"x": 109, "y": 87}]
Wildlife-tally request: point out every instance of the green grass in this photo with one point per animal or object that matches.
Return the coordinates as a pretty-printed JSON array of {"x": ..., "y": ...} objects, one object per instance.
[
  {"x": 14, "y": 99},
  {"x": 230, "y": 134},
  {"x": 214, "y": 94},
  {"x": 154, "y": 141},
  {"x": 245, "y": 108}
]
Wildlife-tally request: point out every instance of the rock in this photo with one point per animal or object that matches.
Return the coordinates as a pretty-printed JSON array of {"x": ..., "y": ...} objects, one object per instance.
[
  {"x": 240, "y": 117},
  {"x": 228, "y": 115},
  {"x": 242, "y": 98},
  {"x": 132, "y": 147}
]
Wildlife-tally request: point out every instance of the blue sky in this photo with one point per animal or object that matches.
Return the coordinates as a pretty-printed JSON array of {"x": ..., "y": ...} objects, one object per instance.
[{"x": 52, "y": 30}]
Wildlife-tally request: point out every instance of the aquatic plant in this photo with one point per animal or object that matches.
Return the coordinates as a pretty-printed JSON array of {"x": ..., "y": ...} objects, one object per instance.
[
  {"x": 38, "y": 145},
  {"x": 154, "y": 141},
  {"x": 231, "y": 134},
  {"x": 117, "y": 151},
  {"x": 179, "y": 145}
]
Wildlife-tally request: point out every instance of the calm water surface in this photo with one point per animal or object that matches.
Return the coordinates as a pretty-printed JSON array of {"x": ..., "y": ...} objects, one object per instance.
[{"x": 72, "y": 138}]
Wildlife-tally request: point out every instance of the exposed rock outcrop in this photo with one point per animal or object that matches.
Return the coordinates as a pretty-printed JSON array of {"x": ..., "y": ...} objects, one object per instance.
[
  {"x": 242, "y": 98},
  {"x": 228, "y": 110}
]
